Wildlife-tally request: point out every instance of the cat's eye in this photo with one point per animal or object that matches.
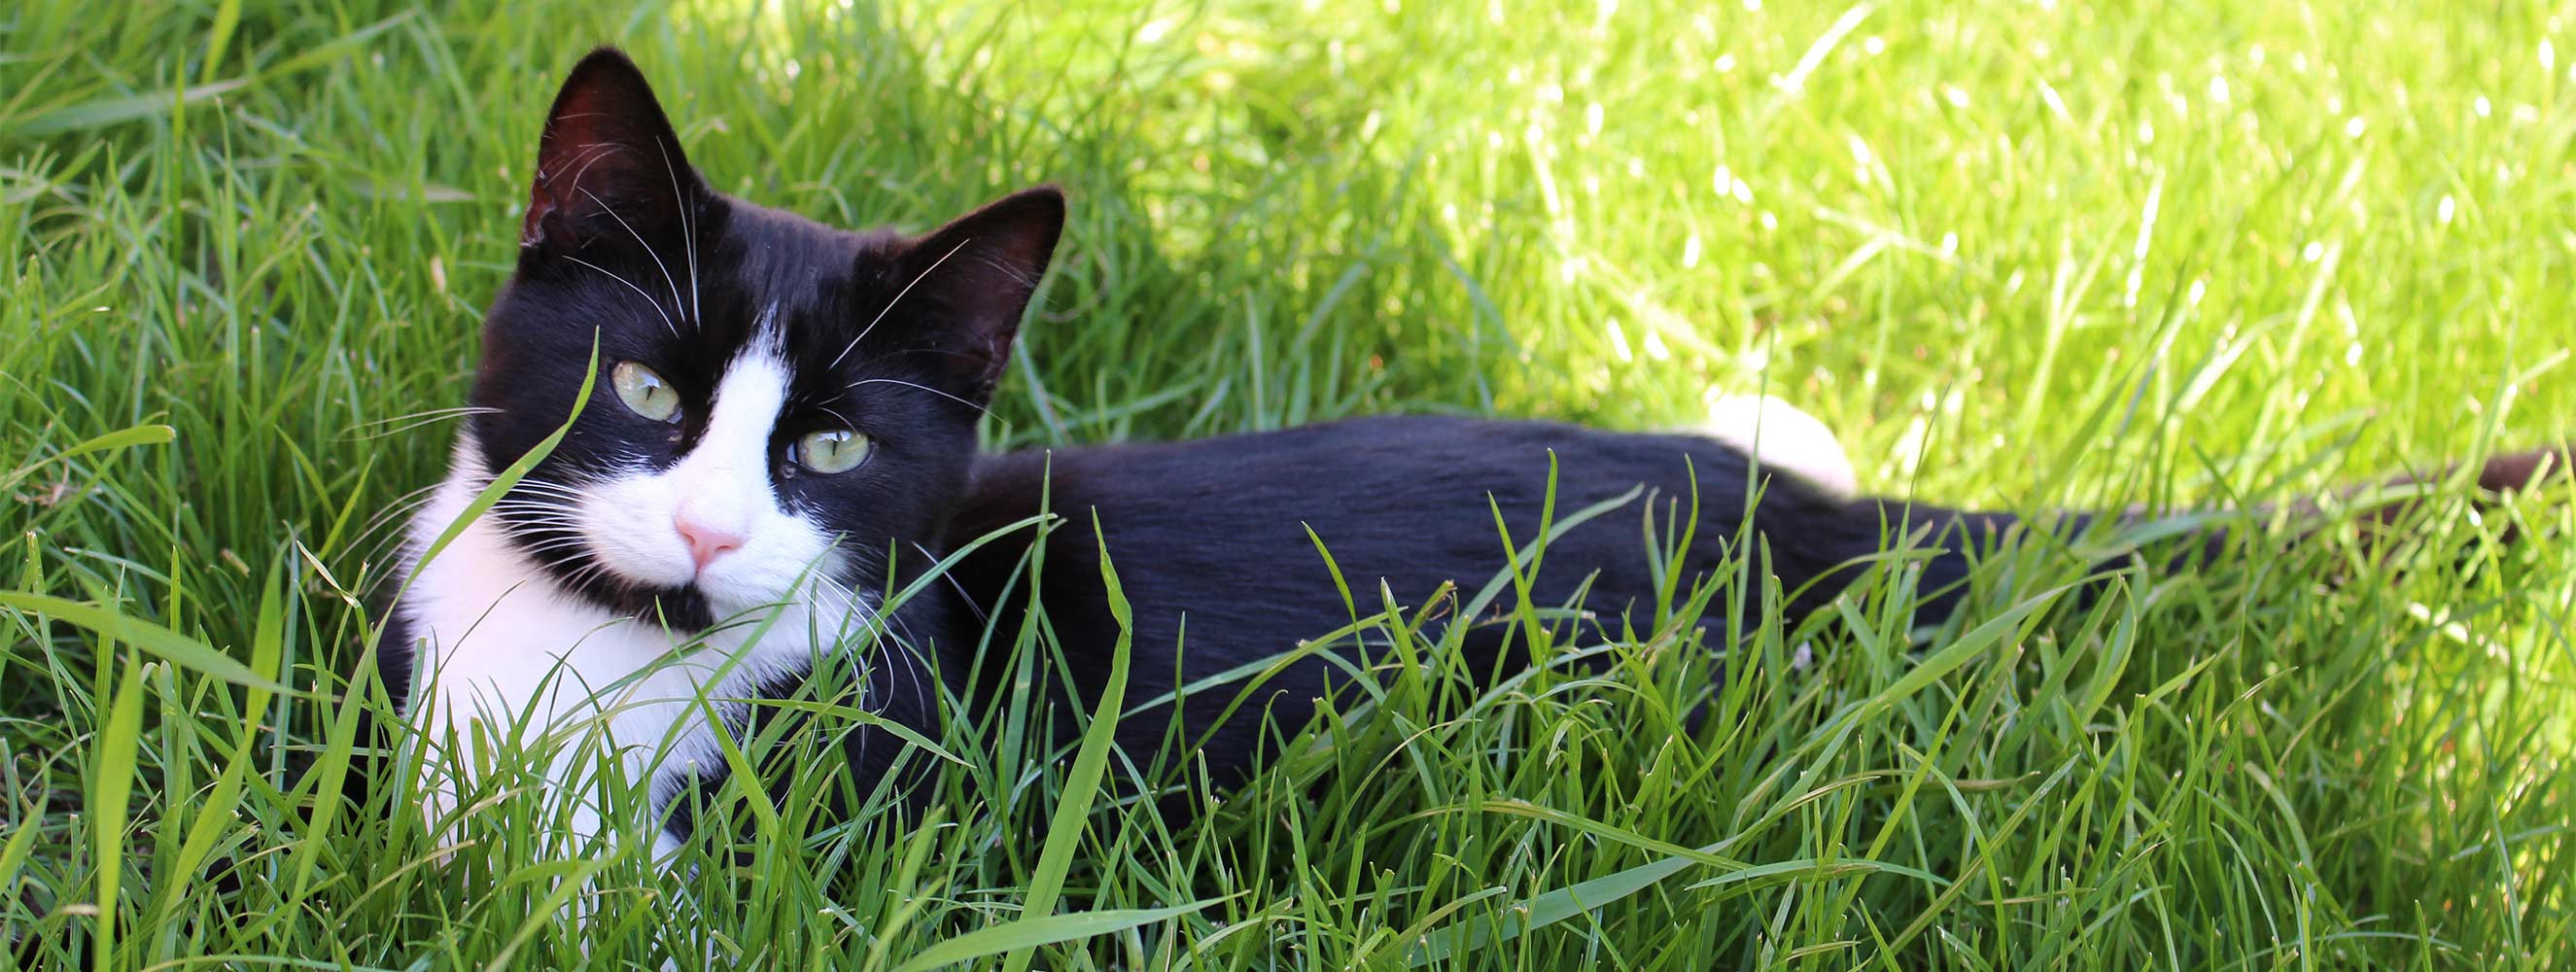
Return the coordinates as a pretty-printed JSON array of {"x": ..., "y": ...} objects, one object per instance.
[
  {"x": 830, "y": 451},
  {"x": 644, "y": 392}
]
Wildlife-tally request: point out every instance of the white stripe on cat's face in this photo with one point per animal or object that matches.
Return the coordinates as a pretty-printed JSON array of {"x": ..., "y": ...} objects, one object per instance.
[{"x": 713, "y": 519}]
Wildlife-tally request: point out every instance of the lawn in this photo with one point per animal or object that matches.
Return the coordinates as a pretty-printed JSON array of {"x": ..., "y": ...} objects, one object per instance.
[{"x": 2026, "y": 256}]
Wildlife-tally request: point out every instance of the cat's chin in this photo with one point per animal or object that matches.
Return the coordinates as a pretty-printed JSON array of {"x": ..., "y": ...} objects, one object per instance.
[
  {"x": 679, "y": 609},
  {"x": 691, "y": 609}
]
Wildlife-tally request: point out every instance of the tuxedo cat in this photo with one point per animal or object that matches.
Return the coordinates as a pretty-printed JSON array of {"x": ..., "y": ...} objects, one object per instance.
[{"x": 781, "y": 427}]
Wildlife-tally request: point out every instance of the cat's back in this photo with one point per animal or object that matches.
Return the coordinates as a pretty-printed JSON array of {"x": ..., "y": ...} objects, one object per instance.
[
  {"x": 1216, "y": 541},
  {"x": 1228, "y": 527},
  {"x": 1331, "y": 468}
]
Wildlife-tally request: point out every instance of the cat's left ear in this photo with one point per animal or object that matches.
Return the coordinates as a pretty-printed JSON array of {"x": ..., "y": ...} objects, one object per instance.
[
  {"x": 977, "y": 274},
  {"x": 609, "y": 166}
]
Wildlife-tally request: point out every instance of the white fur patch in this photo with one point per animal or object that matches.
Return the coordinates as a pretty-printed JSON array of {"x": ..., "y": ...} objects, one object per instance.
[
  {"x": 630, "y": 521},
  {"x": 1781, "y": 437},
  {"x": 506, "y": 649}
]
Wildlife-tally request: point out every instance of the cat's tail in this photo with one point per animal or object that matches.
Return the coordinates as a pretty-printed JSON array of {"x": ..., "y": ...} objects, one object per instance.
[
  {"x": 2380, "y": 510},
  {"x": 1838, "y": 528}
]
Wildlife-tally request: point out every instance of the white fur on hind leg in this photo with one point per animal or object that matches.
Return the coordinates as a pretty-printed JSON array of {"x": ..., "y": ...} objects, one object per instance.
[{"x": 1782, "y": 438}]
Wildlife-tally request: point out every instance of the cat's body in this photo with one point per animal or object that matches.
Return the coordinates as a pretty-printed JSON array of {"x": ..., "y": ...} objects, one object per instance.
[
  {"x": 1211, "y": 540},
  {"x": 781, "y": 428}
]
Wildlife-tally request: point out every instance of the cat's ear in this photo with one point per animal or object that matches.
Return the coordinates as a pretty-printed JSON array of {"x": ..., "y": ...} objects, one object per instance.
[
  {"x": 608, "y": 165},
  {"x": 979, "y": 272}
]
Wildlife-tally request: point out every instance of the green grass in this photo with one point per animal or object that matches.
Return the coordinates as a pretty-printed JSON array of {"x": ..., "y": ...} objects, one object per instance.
[{"x": 2027, "y": 255}]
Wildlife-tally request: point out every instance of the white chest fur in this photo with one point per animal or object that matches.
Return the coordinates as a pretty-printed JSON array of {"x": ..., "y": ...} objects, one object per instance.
[{"x": 505, "y": 653}]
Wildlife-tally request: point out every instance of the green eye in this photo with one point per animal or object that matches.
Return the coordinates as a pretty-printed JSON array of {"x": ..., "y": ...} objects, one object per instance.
[
  {"x": 831, "y": 451},
  {"x": 645, "y": 393}
]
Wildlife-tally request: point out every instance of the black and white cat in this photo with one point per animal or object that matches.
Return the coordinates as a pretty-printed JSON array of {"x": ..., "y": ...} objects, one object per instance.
[{"x": 784, "y": 415}]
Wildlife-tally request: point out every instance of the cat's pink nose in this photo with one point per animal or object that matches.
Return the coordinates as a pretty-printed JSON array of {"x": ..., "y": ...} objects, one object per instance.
[{"x": 705, "y": 543}]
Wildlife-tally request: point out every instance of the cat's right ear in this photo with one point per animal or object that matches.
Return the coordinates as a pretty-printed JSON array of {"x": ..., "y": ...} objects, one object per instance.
[
  {"x": 609, "y": 166},
  {"x": 980, "y": 271}
]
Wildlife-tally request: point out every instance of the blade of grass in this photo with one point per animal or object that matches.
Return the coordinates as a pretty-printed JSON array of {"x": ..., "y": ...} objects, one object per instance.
[{"x": 1082, "y": 783}]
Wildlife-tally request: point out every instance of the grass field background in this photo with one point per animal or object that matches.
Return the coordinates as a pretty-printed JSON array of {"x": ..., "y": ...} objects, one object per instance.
[{"x": 2021, "y": 255}]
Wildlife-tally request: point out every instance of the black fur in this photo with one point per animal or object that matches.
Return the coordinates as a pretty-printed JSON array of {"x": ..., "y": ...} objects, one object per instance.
[
  {"x": 626, "y": 250},
  {"x": 626, "y": 246},
  {"x": 1214, "y": 533},
  {"x": 903, "y": 339}
]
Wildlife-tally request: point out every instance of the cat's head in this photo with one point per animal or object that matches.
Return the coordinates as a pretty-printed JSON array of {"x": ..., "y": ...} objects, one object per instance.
[{"x": 775, "y": 399}]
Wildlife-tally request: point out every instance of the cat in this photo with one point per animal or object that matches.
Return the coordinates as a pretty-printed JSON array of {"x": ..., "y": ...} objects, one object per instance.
[{"x": 781, "y": 425}]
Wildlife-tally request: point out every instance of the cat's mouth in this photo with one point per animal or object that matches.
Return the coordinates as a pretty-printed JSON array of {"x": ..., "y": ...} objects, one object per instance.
[
  {"x": 707, "y": 598},
  {"x": 679, "y": 610},
  {"x": 567, "y": 555}
]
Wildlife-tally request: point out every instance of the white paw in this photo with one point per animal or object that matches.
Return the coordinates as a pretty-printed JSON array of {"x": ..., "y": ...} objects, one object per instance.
[{"x": 1783, "y": 438}]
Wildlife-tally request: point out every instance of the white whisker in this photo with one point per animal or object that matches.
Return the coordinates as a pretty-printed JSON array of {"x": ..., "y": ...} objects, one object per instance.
[
  {"x": 590, "y": 154},
  {"x": 528, "y": 492},
  {"x": 688, "y": 234},
  {"x": 541, "y": 488},
  {"x": 543, "y": 520},
  {"x": 540, "y": 516},
  {"x": 555, "y": 545},
  {"x": 881, "y": 624},
  {"x": 648, "y": 249},
  {"x": 934, "y": 391},
  {"x": 639, "y": 291},
  {"x": 1016, "y": 275},
  {"x": 565, "y": 503},
  {"x": 370, "y": 537},
  {"x": 898, "y": 298},
  {"x": 952, "y": 582}
]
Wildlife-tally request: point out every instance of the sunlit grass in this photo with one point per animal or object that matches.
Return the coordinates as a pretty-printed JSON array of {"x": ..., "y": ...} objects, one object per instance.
[{"x": 2023, "y": 255}]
